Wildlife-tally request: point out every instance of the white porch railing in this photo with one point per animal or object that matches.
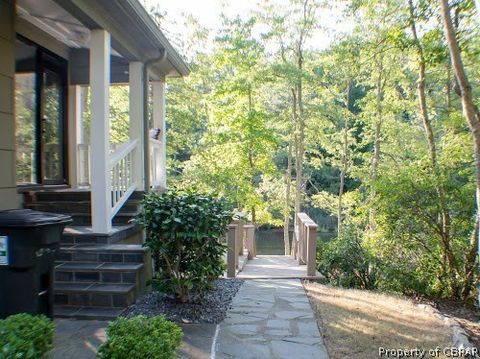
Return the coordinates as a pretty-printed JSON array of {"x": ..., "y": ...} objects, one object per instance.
[
  {"x": 121, "y": 174},
  {"x": 157, "y": 173}
]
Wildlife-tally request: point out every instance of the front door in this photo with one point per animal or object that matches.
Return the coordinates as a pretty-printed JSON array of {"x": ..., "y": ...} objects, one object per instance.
[{"x": 40, "y": 95}]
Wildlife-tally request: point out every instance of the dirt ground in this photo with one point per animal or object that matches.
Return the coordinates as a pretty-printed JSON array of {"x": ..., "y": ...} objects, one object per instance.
[
  {"x": 465, "y": 314},
  {"x": 357, "y": 323}
]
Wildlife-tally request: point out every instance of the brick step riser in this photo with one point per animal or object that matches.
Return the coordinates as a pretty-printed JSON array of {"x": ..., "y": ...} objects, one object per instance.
[
  {"x": 87, "y": 299},
  {"x": 96, "y": 313},
  {"x": 75, "y": 207},
  {"x": 71, "y": 255},
  {"x": 86, "y": 219},
  {"x": 105, "y": 277},
  {"x": 74, "y": 196},
  {"x": 70, "y": 240}
]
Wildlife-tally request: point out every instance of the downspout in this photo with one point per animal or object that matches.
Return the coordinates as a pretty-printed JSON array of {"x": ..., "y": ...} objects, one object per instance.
[{"x": 146, "y": 137}]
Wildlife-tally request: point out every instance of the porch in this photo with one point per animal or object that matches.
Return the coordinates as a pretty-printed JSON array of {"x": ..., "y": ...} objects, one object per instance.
[
  {"x": 63, "y": 63},
  {"x": 68, "y": 56}
]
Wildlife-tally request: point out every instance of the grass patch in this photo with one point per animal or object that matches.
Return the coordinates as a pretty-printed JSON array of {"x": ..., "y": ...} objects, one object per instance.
[{"x": 355, "y": 323}]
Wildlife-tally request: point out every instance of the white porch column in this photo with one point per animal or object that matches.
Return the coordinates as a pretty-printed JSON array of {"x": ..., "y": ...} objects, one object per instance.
[
  {"x": 136, "y": 119},
  {"x": 158, "y": 96},
  {"x": 100, "y": 131},
  {"x": 74, "y": 133}
]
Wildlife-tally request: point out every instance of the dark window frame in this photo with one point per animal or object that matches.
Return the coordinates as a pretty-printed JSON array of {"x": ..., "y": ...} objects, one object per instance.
[{"x": 46, "y": 59}]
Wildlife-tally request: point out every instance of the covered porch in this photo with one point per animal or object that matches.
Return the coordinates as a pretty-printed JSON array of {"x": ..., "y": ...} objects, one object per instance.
[{"x": 102, "y": 44}]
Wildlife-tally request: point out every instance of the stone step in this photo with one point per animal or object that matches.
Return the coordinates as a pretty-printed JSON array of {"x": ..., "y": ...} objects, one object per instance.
[
  {"x": 92, "y": 313},
  {"x": 72, "y": 195},
  {"x": 62, "y": 195},
  {"x": 85, "y": 219},
  {"x": 118, "y": 253},
  {"x": 95, "y": 272},
  {"x": 118, "y": 295},
  {"x": 84, "y": 234},
  {"x": 67, "y": 207}
]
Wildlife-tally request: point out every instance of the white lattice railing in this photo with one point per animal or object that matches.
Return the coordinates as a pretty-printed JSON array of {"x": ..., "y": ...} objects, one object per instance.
[
  {"x": 157, "y": 172},
  {"x": 121, "y": 174}
]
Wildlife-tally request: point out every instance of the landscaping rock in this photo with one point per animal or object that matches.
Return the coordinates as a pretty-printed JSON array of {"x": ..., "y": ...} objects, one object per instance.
[{"x": 209, "y": 309}]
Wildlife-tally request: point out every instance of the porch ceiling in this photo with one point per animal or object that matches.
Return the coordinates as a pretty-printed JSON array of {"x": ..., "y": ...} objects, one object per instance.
[{"x": 135, "y": 36}]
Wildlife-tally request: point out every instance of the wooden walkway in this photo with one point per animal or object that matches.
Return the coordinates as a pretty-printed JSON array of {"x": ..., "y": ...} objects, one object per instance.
[{"x": 274, "y": 266}]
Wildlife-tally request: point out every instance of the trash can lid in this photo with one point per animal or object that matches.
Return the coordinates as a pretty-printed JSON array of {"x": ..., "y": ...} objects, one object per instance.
[{"x": 30, "y": 218}]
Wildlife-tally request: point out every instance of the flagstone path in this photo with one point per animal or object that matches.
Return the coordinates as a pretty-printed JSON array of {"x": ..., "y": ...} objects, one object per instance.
[{"x": 270, "y": 319}]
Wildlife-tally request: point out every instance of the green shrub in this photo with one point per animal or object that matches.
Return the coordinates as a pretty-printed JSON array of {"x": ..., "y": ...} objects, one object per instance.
[
  {"x": 344, "y": 262},
  {"x": 183, "y": 233},
  {"x": 141, "y": 337},
  {"x": 25, "y": 336}
]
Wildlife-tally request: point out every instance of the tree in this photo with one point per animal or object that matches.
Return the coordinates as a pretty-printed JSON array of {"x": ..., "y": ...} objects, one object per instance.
[
  {"x": 290, "y": 31},
  {"x": 472, "y": 115}
]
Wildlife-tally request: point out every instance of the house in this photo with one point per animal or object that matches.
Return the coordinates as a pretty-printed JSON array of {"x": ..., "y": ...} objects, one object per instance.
[{"x": 50, "y": 51}]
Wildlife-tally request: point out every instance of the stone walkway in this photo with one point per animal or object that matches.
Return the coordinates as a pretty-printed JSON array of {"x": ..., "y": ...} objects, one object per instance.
[
  {"x": 270, "y": 319},
  {"x": 272, "y": 266},
  {"x": 80, "y": 339}
]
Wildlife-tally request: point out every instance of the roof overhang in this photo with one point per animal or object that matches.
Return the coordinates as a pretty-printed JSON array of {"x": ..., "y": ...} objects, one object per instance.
[{"x": 135, "y": 36}]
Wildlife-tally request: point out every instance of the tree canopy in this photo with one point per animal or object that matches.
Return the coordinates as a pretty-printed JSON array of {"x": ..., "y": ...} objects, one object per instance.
[{"x": 370, "y": 135}]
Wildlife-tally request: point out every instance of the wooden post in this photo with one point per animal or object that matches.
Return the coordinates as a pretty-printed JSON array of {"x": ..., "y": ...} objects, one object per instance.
[
  {"x": 301, "y": 240},
  {"x": 232, "y": 255},
  {"x": 74, "y": 133},
  {"x": 293, "y": 250},
  {"x": 240, "y": 237},
  {"x": 100, "y": 131},
  {"x": 254, "y": 242},
  {"x": 250, "y": 240},
  {"x": 136, "y": 119},
  {"x": 311, "y": 248}
]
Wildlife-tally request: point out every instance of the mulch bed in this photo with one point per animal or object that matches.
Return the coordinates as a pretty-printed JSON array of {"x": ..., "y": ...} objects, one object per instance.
[
  {"x": 467, "y": 315},
  {"x": 212, "y": 308}
]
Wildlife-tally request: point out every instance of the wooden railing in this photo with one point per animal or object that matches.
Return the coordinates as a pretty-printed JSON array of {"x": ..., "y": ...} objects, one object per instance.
[
  {"x": 122, "y": 176},
  {"x": 240, "y": 236},
  {"x": 305, "y": 242}
]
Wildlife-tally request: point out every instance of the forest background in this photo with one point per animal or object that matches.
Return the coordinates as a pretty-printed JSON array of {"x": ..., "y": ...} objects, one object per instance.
[{"x": 375, "y": 136}]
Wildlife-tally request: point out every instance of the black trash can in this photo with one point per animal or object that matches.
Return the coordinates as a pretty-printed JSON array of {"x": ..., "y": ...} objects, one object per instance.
[{"x": 29, "y": 244}]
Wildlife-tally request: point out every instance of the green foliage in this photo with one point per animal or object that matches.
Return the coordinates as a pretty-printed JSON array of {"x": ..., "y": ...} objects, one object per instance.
[
  {"x": 184, "y": 231},
  {"x": 141, "y": 337},
  {"x": 26, "y": 336},
  {"x": 408, "y": 215},
  {"x": 237, "y": 122},
  {"x": 344, "y": 262}
]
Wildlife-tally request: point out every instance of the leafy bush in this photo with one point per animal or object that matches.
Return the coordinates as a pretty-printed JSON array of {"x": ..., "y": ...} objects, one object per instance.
[
  {"x": 183, "y": 232},
  {"x": 411, "y": 241},
  {"x": 25, "y": 336},
  {"x": 141, "y": 337},
  {"x": 344, "y": 262}
]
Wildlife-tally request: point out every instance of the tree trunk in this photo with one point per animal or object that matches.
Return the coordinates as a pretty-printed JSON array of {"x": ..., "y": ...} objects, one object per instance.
[
  {"x": 470, "y": 110},
  {"x": 345, "y": 158},
  {"x": 300, "y": 150},
  {"x": 287, "y": 208},
  {"x": 340, "y": 193},
  {"x": 422, "y": 100},
  {"x": 469, "y": 266},
  {"x": 378, "y": 127},
  {"x": 376, "y": 143}
]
